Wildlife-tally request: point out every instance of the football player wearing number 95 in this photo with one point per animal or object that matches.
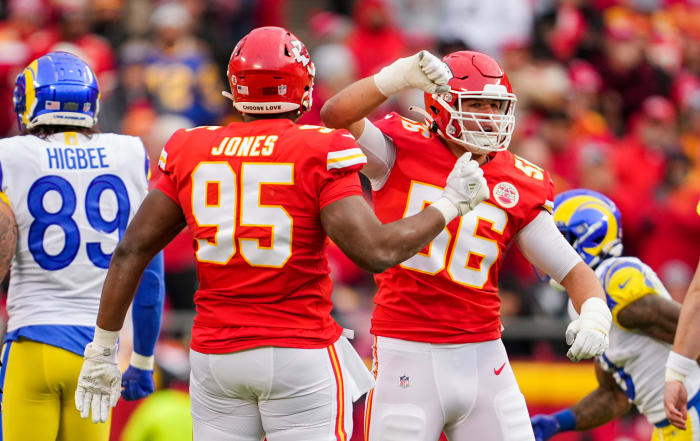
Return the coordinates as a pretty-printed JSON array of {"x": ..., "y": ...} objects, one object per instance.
[
  {"x": 438, "y": 359},
  {"x": 260, "y": 197},
  {"x": 72, "y": 192}
]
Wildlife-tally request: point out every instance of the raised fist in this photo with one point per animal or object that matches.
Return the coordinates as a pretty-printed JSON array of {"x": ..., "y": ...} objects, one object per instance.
[{"x": 422, "y": 71}]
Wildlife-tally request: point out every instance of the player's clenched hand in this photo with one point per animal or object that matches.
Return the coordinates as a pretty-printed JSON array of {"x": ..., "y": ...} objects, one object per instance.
[
  {"x": 544, "y": 426},
  {"x": 675, "y": 403},
  {"x": 588, "y": 334},
  {"x": 137, "y": 383},
  {"x": 98, "y": 384},
  {"x": 422, "y": 71},
  {"x": 465, "y": 188}
]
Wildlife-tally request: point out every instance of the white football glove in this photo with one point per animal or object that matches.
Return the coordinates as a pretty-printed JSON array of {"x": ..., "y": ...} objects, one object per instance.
[
  {"x": 588, "y": 334},
  {"x": 465, "y": 188},
  {"x": 422, "y": 71},
  {"x": 99, "y": 384}
]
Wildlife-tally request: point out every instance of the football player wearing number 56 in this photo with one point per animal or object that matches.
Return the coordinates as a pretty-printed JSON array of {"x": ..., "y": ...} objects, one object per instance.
[
  {"x": 259, "y": 197},
  {"x": 438, "y": 359},
  {"x": 72, "y": 192}
]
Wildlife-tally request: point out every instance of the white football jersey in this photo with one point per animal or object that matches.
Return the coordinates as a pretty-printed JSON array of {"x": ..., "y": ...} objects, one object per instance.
[
  {"x": 637, "y": 362},
  {"x": 72, "y": 197}
]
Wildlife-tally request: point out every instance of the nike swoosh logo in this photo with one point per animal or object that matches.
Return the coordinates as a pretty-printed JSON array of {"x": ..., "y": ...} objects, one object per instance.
[
  {"x": 622, "y": 285},
  {"x": 498, "y": 371}
]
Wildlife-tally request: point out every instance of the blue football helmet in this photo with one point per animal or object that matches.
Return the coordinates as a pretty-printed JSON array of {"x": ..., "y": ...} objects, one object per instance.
[
  {"x": 57, "y": 88},
  {"x": 591, "y": 224}
]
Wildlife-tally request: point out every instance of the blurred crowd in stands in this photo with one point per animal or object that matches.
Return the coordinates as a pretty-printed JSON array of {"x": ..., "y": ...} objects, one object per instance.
[{"x": 608, "y": 99}]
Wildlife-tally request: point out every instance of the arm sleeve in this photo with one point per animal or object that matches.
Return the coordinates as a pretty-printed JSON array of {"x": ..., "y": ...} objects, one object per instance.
[
  {"x": 148, "y": 307},
  {"x": 380, "y": 152},
  {"x": 625, "y": 283},
  {"x": 545, "y": 247}
]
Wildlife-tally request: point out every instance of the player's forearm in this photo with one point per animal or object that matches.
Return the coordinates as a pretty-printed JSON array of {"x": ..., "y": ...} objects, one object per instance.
[
  {"x": 687, "y": 339},
  {"x": 8, "y": 238},
  {"x": 581, "y": 284},
  {"x": 599, "y": 407},
  {"x": 123, "y": 277},
  {"x": 405, "y": 237},
  {"x": 395, "y": 242},
  {"x": 352, "y": 104},
  {"x": 352, "y": 225},
  {"x": 157, "y": 221}
]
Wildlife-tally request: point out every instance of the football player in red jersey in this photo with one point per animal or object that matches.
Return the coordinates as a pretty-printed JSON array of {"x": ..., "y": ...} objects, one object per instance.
[
  {"x": 439, "y": 362},
  {"x": 259, "y": 197}
]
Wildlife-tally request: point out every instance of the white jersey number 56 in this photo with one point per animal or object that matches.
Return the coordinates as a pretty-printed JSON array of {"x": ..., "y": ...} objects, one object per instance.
[{"x": 469, "y": 246}]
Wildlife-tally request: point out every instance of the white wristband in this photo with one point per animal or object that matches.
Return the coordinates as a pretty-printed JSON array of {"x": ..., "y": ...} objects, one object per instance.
[
  {"x": 678, "y": 366},
  {"x": 446, "y": 208},
  {"x": 105, "y": 338},
  {"x": 672, "y": 375},
  {"x": 142, "y": 362},
  {"x": 385, "y": 82}
]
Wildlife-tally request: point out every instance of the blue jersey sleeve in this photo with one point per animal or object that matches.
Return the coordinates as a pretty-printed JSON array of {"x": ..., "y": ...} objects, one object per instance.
[{"x": 147, "y": 310}]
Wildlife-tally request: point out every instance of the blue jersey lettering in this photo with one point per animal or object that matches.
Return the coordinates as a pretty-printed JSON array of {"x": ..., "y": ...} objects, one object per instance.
[{"x": 77, "y": 158}]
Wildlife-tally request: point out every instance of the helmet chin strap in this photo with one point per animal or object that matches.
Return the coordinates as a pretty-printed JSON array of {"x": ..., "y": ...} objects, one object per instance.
[{"x": 422, "y": 111}]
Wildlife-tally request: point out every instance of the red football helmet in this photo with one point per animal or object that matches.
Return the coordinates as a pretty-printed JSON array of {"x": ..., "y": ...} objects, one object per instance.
[
  {"x": 270, "y": 71},
  {"x": 475, "y": 75}
]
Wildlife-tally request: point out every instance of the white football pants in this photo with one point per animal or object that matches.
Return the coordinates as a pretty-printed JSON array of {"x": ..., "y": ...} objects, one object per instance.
[
  {"x": 468, "y": 390},
  {"x": 282, "y": 394}
]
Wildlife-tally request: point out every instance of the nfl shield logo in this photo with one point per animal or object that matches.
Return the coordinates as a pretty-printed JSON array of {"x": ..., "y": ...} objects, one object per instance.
[
  {"x": 403, "y": 381},
  {"x": 282, "y": 90}
]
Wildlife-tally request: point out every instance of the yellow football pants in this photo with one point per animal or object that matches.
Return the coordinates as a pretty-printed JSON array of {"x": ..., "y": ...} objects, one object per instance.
[
  {"x": 672, "y": 433},
  {"x": 38, "y": 401}
]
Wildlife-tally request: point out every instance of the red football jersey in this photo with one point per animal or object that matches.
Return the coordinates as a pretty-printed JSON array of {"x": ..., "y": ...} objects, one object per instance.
[
  {"x": 448, "y": 293},
  {"x": 252, "y": 194}
]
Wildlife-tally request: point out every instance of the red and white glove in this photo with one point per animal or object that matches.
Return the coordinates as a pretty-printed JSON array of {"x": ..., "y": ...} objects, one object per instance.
[
  {"x": 465, "y": 188},
  {"x": 422, "y": 71}
]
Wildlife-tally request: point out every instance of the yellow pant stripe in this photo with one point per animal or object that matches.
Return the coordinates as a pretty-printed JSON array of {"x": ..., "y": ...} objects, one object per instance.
[
  {"x": 672, "y": 433},
  {"x": 340, "y": 417}
]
